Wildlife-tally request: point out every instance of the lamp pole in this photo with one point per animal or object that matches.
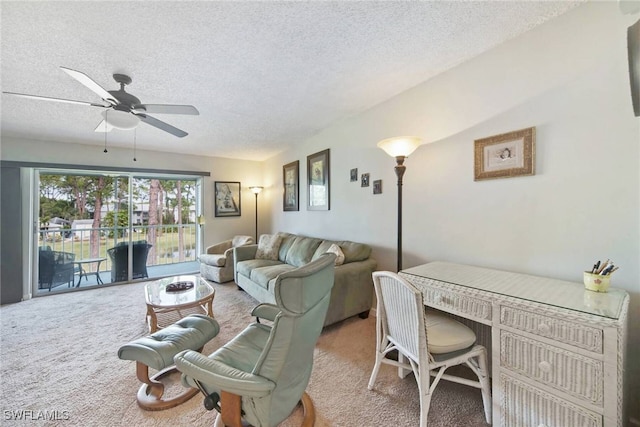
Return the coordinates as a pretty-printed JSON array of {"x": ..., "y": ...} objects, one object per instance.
[
  {"x": 400, "y": 147},
  {"x": 256, "y": 190},
  {"x": 400, "y": 169}
]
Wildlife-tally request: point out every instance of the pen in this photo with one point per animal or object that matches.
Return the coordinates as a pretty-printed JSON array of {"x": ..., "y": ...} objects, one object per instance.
[
  {"x": 595, "y": 267},
  {"x": 606, "y": 270},
  {"x": 602, "y": 266}
]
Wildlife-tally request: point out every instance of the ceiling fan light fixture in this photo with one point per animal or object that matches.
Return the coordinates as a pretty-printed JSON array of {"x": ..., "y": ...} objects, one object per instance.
[{"x": 121, "y": 119}]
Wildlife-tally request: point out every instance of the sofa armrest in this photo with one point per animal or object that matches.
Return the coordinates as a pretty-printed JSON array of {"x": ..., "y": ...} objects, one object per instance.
[
  {"x": 243, "y": 253},
  {"x": 219, "y": 248},
  {"x": 352, "y": 291}
]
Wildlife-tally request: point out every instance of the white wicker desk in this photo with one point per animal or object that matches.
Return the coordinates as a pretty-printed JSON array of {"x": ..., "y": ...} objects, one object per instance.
[{"x": 557, "y": 349}]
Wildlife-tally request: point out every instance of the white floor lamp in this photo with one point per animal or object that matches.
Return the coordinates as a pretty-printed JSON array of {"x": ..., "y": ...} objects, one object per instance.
[{"x": 400, "y": 147}]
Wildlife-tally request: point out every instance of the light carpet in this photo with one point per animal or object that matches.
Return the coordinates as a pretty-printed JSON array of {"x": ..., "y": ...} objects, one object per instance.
[{"x": 58, "y": 359}]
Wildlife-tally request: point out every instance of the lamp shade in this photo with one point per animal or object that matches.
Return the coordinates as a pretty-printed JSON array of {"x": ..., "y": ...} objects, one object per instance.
[
  {"x": 256, "y": 189},
  {"x": 120, "y": 119},
  {"x": 400, "y": 145}
]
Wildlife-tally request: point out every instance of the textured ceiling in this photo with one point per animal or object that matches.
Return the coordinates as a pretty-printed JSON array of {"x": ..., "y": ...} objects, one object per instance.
[{"x": 264, "y": 75}]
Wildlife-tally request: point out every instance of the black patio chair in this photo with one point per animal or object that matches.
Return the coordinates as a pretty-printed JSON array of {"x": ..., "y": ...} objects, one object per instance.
[
  {"x": 54, "y": 268},
  {"x": 119, "y": 255}
]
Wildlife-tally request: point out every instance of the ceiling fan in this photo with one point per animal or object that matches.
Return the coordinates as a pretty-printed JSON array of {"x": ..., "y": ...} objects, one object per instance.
[{"x": 122, "y": 110}]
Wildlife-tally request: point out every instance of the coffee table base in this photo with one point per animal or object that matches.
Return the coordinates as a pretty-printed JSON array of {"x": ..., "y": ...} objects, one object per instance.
[{"x": 170, "y": 315}]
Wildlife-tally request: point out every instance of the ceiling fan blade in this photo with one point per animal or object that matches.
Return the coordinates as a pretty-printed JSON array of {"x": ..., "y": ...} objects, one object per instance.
[
  {"x": 162, "y": 125},
  {"x": 46, "y": 98},
  {"x": 88, "y": 82},
  {"x": 168, "y": 109},
  {"x": 103, "y": 127}
]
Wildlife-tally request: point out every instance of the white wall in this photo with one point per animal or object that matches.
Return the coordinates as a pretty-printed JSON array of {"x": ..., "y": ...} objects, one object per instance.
[
  {"x": 216, "y": 229},
  {"x": 569, "y": 79}
]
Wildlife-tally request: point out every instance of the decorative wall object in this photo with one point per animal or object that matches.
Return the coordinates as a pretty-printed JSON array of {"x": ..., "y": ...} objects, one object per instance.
[
  {"x": 505, "y": 155},
  {"x": 318, "y": 181},
  {"x": 291, "y": 183},
  {"x": 354, "y": 175},
  {"x": 377, "y": 186},
  {"x": 227, "y": 198},
  {"x": 364, "y": 182}
]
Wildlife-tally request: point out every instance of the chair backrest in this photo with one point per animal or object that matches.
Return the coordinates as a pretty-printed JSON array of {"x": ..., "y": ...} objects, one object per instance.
[
  {"x": 302, "y": 295},
  {"x": 46, "y": 261},
  {"x": 241, "y": 241},
  {"x": 119, "y": 256},
  {"x": 400, "y": 314}
]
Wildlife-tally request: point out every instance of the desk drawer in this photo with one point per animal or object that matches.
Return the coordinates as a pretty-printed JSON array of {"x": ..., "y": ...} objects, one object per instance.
[
  {"x": 463, "y": 305},
  {"x": 525, "y": 406},
  {"x": 563, "y": 331},
  {"x": 563, "y": 370}
]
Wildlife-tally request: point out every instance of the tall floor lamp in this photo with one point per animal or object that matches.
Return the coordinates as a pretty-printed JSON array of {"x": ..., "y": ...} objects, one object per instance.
[
  {"x": 256, "y": 190},
  {"x": 400, "y": 147}
]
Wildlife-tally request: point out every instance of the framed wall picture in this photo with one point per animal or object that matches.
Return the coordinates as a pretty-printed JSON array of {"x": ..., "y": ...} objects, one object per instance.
[
  {"x": 291, "y": 183},
  {"x": 377, "y": 186},
  {"x": 227, "y": 198},
  {"x": 318, "y": 181},
  {"x": 354, "y": 175},
  {"x": 505, "y": 155},
  {"x": 364, "y": 180}
]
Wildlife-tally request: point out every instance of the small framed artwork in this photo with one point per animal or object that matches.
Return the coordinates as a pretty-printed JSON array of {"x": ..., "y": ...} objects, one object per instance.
[
  {"x": 354, "y": 175},
  {"x": 377, "y": 186},
  {"x": 364, "y": 180},
  {"x": 227, "y": 198},
  {"x": 318, "y": 181},
  {"x": 291, "y": 182},
  {"x": 505, "y": 155}
]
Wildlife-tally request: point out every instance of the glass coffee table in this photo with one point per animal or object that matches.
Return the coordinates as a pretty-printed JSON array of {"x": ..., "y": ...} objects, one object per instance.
[{"x": 176, "y": 297}]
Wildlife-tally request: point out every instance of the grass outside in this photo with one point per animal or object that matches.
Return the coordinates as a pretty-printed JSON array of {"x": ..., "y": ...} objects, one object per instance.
[{"x": 166, "y": 246}]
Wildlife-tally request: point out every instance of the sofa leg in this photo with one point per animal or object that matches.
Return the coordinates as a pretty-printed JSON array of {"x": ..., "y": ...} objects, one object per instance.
[{"x": 364, "y": 314}]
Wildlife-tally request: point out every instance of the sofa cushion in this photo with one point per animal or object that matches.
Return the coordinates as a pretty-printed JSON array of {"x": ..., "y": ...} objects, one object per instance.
[
  {"x": 335, "y": 249},
  {"x": 302, "y": 250},
  {"x": 217, "y": 260},
  {"x": 354, "y": 251},
  {"x": 287, "y": 241},
  {"x": 263, "y": 275},
  {"x": 269, "y": 246},
  {"x": 245, "y": 267}
]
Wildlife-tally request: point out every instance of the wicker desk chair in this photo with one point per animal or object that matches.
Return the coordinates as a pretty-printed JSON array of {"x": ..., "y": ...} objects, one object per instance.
[{"x": 431, "y": 341}]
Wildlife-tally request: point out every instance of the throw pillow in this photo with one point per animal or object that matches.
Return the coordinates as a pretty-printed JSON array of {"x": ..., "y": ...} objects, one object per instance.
[
  {"x": 268, "y": 246},
  {"x": 335, "y": 249}
]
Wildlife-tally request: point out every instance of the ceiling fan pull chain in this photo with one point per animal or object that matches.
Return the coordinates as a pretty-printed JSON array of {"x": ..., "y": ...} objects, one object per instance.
[
  {"x": 135, "y": 132},
  {"x": 105, "y": 130}
]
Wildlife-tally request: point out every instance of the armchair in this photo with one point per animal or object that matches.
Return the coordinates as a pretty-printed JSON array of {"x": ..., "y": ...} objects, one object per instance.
[
  {"x": 119, "y": 256},
  {"x": 261, "y": 374},
  {"x": 217, "y": 263}
]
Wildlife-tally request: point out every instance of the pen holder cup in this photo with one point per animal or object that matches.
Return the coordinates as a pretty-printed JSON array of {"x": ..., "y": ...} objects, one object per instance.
[{"x": 596, "y": 282}]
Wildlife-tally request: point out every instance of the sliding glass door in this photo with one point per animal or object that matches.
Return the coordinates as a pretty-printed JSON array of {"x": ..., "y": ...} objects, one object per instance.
[{"x": 96, "y": 228}]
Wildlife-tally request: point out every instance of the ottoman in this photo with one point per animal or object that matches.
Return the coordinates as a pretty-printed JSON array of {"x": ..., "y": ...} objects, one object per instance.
[{"x": 157, "y": 351}]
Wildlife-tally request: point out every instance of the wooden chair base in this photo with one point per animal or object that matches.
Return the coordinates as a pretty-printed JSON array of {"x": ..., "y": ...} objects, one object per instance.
[
  {"x": 150, "y": 393},
  {"x": 234, "y": 420}
]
